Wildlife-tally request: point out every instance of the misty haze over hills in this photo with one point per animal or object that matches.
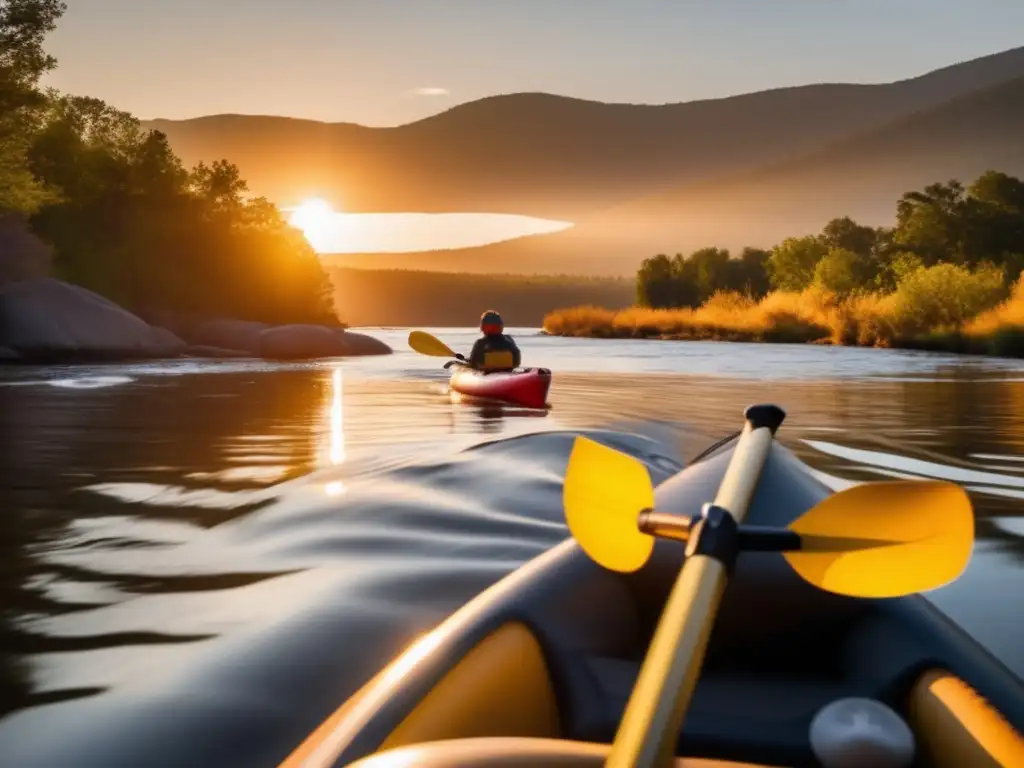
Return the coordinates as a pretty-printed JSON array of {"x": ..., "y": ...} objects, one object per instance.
[
  {"x": 639, "y": 179},
  {"x": 862, "y": 177}
]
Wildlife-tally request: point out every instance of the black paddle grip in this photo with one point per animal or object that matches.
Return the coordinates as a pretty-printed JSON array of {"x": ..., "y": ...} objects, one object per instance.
[{"x": 764, "y": 415}]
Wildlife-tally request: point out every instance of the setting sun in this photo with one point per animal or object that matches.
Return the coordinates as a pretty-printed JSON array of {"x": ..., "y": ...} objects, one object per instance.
[{"x": 317, "y": 219}]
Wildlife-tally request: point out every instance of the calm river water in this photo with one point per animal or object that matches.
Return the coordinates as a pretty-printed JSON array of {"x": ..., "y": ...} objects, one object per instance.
[{"x": 199, "y": 560}]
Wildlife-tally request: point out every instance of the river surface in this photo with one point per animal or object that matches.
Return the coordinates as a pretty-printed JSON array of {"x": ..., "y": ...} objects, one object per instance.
[{"x": 199, "y": 560}]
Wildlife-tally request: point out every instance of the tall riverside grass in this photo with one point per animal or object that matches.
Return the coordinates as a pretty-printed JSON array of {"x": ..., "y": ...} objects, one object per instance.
[
  {"x": 725, "y": 316},
  {"x": 945, "y": 307}
]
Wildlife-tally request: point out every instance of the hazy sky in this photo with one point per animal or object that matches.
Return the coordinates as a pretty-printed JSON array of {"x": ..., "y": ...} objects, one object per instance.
[{"x": 364, "y": 60}]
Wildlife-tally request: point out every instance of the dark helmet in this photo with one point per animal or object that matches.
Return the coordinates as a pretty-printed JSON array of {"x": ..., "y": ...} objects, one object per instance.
[{"x": 491, "y": 323}]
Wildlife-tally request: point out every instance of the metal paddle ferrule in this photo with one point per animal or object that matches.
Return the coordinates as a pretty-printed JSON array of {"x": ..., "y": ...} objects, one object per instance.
[
  {"x": 711, "y": 534},
  {"x": 663, "y": 525}
]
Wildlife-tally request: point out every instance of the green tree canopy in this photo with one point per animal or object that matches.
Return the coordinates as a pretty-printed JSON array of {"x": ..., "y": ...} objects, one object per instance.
[
  {"x": 848, "y": 235},
  {"x": 24, "y": 25},
  {"x": 944, "y": 223},
  {"x": 948, "y": 223},
  {"x": 655, "y": 282},
  {"x": 707, "y": 270},
  {"x": 690, "y": 281},
  {"x": 839, "y": 271},
  {"x": 935, "y": 223},
  {"x": 751, "y": 272},
  {"x": 945, "y": 296},
  {"x": 792, "y": 262}
]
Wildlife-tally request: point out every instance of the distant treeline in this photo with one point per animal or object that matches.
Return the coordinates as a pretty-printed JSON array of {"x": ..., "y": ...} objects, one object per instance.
[
  {"x": 946, "y": 276},
  {"x": 979, "y": 226},
  {"x": 123, "y": 217},
  {"x": 411, "y": 297}
]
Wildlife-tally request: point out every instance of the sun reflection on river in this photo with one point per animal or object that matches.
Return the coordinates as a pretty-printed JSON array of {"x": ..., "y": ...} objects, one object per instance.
[
  {"x": 336, "y": 434},
  {"x": 337, "y": 420}
]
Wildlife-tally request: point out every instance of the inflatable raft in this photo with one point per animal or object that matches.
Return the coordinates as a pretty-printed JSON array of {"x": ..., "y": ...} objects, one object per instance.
[{"x": 538, "y": 669}]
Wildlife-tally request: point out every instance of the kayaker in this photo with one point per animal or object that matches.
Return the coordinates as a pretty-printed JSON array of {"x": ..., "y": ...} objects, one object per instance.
[{"x": 494, "y": 351}]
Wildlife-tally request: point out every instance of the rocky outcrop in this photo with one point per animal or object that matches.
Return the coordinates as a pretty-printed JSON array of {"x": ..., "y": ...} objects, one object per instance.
[
  {"x": 359, "y": 344},
  {"x": 292, "y": 342},
  {"x": 229, "y": 334},
  {"x": 46, "y": 320},
  {"x": 285, "y": 342},
  {"x": 43, "y": 319}
]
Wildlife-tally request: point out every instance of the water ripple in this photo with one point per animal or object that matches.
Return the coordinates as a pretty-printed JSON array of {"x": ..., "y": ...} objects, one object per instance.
[{"x": 203, "y": 558}]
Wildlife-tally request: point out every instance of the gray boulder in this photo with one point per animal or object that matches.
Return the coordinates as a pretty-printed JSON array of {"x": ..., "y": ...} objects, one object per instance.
[
  {"x": 357, "y": 344},
  {"x": 46, "y": 319},
  {"x": 303, "y": 342},
  {"x": 295, "y": 342},
  {"x": 242, "y": 335}
]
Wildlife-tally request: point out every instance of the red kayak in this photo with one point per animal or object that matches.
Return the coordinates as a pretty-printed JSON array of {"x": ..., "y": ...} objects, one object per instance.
[{"x": 527, "y": 387}]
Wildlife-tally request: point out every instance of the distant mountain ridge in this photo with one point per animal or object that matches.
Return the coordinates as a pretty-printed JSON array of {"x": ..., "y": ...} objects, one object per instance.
[
  {"x": 559, "y": 157},
  {"x": 861, "y": 176}
]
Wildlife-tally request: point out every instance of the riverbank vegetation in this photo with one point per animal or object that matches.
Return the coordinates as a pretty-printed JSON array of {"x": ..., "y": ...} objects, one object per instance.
[
  {"x": 120, "y": 214},
  {"x": 946, "y": 276}
]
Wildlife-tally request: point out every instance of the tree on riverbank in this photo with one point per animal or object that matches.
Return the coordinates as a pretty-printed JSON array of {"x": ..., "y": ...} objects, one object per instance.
[
  {"x": 24, "y": 25},
  {"x": 122, "y": 215},
  {"x": 945, "y": 223},
  {"x": 947, "y": 275},
  {"x": 690, "y": 281}
]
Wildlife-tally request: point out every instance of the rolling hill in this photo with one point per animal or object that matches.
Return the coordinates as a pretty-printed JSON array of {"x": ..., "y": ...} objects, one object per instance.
[
  {"x": 558, "y": 157},
  {"x": 861, "y": 177}
]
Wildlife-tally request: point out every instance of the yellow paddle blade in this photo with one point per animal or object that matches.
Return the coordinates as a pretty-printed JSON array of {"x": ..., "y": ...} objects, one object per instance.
[
  {"x": 605, "y": 492},
  {"x": 426, "y": 344},
  {"x": 885, "y": 539}
]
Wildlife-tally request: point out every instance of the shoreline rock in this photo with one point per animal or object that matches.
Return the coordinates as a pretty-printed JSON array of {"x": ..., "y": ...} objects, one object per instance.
[
  {"x": 225, "y": 333},
  {"x": 362, "y": 345},
  {"x": 47, "y": 321},
  {"x": 297, "y": 341},
  {"x": 42, "y": 319}
]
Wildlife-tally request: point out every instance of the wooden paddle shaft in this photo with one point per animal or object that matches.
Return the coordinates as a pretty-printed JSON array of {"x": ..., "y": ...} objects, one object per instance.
[
  {"x": 649, "y": 729},
  {"x": 657, "y": 706},
  {"x": 743, "y": 472}
]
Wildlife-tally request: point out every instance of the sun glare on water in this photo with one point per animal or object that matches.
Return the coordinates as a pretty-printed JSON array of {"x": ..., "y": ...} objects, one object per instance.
[{"x": 317, "y": 220}]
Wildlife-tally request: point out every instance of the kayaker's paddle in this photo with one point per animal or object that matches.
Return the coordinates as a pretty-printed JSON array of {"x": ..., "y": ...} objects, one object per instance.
[
  {"x": 425, "y": 344},
  {"x": 875, "y": 540}
]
